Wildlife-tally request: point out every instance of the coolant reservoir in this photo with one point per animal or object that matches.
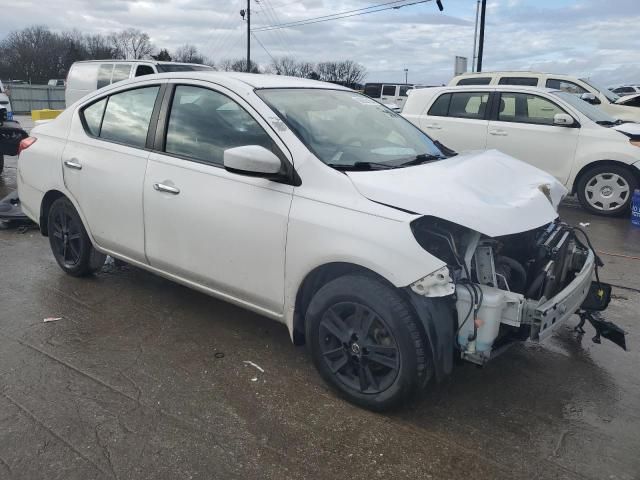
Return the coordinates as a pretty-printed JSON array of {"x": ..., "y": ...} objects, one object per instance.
[{"x": 497, "y": 306}]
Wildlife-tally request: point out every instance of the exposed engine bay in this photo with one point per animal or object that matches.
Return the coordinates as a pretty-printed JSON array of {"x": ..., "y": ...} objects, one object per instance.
[{"x": 507, "y": 288}]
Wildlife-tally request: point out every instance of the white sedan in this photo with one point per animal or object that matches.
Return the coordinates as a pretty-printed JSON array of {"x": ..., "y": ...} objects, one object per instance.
[{"x": 317, "y": 207}]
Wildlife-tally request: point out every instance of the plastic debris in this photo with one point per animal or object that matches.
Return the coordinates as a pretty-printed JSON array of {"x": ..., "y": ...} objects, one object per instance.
[
  {"x": 52, "y": 319},
  {"x": 584, "y": 225},
  {"x": 247, "y": 362}
]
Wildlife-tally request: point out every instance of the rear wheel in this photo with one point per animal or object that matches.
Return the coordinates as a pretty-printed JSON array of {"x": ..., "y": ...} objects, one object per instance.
[
  {"x": 69, "y": 241},
  {"x": 365, "y": 341},
  {"x": 607, "y": 190}
]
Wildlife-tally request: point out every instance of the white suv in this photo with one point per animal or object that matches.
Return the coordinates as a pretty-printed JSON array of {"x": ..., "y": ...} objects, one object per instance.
[
  {"x": 317, "y": 207},
  {"x": 587, "y": 89},
  {"x": 591, "y": 153}
]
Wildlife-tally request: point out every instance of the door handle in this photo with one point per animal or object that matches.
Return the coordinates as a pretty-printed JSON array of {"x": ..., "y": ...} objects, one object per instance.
[
  {"x": 161, "y": 187},
  {"x": 498, "y": 133},
  {"x": 73, "y": 164},
  {"x": 433, "y": 126}
]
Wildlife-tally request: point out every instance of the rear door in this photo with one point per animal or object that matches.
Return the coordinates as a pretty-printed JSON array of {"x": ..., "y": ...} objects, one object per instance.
[
  {"x": 104, "y": 163},
  {"x": 523, "y": 127},
  {"x": 389, "y": 93},
  {"x": 207, "y": 225},
  {"x": 458, "y": 120}
]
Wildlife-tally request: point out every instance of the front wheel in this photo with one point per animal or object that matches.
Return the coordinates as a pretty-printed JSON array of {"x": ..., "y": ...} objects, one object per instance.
[
  {"x": 607, "y": 190},
  {"x": 69, "y": 241},
  {"x": 366, "y": 342}
]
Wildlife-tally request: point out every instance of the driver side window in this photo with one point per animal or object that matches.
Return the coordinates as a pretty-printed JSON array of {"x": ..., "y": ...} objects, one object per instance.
[{"x": 203, "y": 124}]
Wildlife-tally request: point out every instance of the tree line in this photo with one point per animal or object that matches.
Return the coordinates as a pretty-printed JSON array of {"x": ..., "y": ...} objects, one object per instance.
[{"x": 36, "y": 54}]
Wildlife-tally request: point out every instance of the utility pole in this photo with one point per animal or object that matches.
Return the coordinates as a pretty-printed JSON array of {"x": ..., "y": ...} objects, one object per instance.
[
  {"x": 483, "y": 12},
  {"x": 247, "y": 14},
  {"x": 406, "y": 76},
  {"x": 475, "y": 39}
]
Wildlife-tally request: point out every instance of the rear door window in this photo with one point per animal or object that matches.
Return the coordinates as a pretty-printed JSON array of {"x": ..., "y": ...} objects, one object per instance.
[
  {"x": 468, "y": 104},
  {"x": 121, "y": 72},
  {"x": 127, "y": 116},
  {"x": 565, "y": 86},
  {"x": 104, "y": 75},
  {"x": 526, "y": 81},
  {"x": 93, "y": 117},
  {"x": 403, "y": 90},
  {"x": 474, "y": 81}
]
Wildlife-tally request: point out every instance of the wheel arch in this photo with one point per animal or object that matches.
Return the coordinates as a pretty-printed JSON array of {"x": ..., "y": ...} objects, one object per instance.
[
  {"x": 601, "y": 163},
  {"x": 48, "y": 199}
]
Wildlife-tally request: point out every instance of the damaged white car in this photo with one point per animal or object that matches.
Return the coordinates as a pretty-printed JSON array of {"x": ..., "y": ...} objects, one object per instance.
[{"x": 387, "y": 253}]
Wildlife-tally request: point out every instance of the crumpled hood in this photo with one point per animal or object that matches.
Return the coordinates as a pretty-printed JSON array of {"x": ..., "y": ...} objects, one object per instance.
[
  {"x": 630, "y": 128},
  {"x": 489, "y": 192}
]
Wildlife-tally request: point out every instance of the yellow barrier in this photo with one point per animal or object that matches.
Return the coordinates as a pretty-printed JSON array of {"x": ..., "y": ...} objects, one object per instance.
[{"x": 44, "y": 114}]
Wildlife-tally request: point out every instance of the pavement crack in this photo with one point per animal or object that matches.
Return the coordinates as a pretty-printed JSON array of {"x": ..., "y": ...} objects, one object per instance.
[
  {"x": 560, "y": 443},
  {"x": 106, "y": 453},
  {"x": 52, "y": 432},
  {"x": 5, "y": 465}
]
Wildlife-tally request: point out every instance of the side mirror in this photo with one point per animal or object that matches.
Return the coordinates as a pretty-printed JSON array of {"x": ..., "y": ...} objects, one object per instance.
[
  {"x": 590, "y": 98},
  {"x": 563, "y": 120},
  {"x": 252, "y": 160}
]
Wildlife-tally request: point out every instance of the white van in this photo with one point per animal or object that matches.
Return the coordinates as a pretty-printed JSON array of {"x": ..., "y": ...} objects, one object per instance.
[
  {"x": 588, "y": 90},
  {"x": 393, "y": 95},
  {"x": 85, "y": 77}
]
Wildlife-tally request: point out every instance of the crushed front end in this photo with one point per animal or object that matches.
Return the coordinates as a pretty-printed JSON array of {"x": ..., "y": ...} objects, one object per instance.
[{"x": 508, "y": 288}]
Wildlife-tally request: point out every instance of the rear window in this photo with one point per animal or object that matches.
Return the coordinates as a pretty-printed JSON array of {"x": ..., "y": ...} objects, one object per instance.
[
  {"x": 525, "y": 81},
  {"x": 104, "y": 75},
  {"x": 440, "y": 107},
  {"x": 565, "y": 86},
  {"x": 127, "y": 116},
  {"x": 373, "y": 90},
  {"x": 389, "y": 90},
  {"x": 474, "y": 81}
]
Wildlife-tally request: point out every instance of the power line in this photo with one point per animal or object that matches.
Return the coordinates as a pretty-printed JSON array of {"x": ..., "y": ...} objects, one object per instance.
[
  {"x": 340, "y": 15},
  {"x": 263, "y": 47},
  {"x": 272, "y": 17}
]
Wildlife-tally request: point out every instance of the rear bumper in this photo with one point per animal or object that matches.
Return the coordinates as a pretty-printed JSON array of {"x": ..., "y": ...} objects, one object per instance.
[{"x": 546, "y": 315}]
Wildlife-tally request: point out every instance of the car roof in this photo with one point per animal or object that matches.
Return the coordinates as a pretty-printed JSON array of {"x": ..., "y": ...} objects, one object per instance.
[
  {"x": 511, "y": 72},
  {"x": 475, "y": 88},
  {"x": 233, "y": 80},
  {"x": 155, "y": 62}
]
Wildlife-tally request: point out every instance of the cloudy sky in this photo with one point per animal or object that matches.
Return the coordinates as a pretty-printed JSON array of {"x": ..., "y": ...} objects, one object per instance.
[{"x": 595, "y": 38}]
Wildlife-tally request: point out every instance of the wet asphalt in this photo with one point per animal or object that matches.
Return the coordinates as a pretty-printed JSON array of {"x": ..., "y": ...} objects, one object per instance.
[{"x": 143, "y": 378}]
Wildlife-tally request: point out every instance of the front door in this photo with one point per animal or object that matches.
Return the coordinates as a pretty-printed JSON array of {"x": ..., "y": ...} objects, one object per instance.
[
  {"x": 219, "y": 229},
  {"x": 104, "y": 164},
  {"x": 524, "y": 129}
]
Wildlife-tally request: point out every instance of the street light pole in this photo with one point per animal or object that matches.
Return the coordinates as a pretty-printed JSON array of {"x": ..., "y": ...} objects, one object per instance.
[
  {"x": 483, "y": 12},
  {"x": 475, "y": 38},
  {"x": 249, "y": 36},
  {"x": 406, "y": 76}
]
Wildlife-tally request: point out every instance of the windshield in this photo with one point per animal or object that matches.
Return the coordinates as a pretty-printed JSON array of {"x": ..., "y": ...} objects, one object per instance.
[
  {"x": 346, "y": 129},
  {"x": 594, "y": 113},
  {"x": 612, "y": 97},
  {"x": 177, "y": 67}
]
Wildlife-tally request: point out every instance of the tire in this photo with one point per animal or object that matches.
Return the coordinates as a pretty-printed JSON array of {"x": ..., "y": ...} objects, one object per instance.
[
  {"x": 69, "y": 241},
  {"x": 366, "y": 342},
  {"x": 1, "y": 164},
  {"x": 607, "y": 190}
]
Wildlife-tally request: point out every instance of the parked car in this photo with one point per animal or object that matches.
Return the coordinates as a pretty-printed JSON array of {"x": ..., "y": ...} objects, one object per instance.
[
  {"x": 56, "y": 82},
  {"x": 588, "y": 90},
  {"x": 389, "y": 94},
  {"x": 632, "y": 100},
  {"x": 5, "y": 102},
  {"x": 317, "y": 207},
  {"x": 591, "y": 153},
  {"x": 87, "y": 76},
  {"x": 624, "y": 90}
]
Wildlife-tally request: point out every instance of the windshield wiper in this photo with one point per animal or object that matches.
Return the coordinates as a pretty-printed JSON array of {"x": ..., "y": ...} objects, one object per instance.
[
  {"x": 362, "y": 166},
  {"x": 422, "y": 158}
]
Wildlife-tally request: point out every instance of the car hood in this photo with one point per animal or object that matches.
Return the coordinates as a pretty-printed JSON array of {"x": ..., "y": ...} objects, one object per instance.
[
  {"x": 630, "y": 128},
  {"x": 489, "y": 192}
]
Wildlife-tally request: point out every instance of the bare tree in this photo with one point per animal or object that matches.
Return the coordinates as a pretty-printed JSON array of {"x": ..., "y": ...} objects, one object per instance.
[
  {"x": 189, "y": 54},
  {"x": 286, "y": 66},
  {"x": 98, "y": 47},
  {"x": 31, "y": 54},
  {"x": 237, "y": 65},
  {"x": 131, "y": 44}
]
